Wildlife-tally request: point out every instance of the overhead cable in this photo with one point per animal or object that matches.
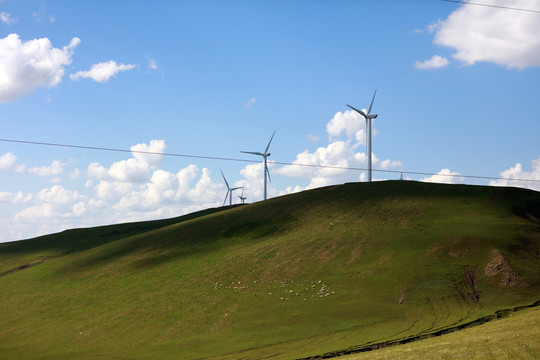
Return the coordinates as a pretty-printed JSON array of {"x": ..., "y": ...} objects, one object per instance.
[
  {"x": 493, "y": 6},
  {"x": 257, "y": 161}
]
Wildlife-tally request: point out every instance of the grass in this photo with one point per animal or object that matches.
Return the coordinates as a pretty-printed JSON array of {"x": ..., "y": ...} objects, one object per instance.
[
  {"x": 512, "y": 338},
  {"x": 296, "y": 276}
]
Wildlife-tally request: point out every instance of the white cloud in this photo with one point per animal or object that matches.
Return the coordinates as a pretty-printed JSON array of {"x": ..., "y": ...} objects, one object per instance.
[
  {"x": 138, "y": 189},
  {"x": 6, "y": 18},
  {"x": 250, "y": 102},
  {"x": 102, "y": 72},
  {"x": 7, "y": 161},
  {"x": 57, "y": 195},
  {"x": 15, "y": 198},
  {"x": 152, "y": 64},
  {"x": 445, "y": 176},
  {"x": 435, "y": 62},
  {"x": 27, "y": 65},
  {"x": 55, "y": 168},
  {"x": 517, "y": 172},
  {"x": 54, "y": 203},
  {"x": 504, "y": 37},
  {"x": 134, "y": 170},
  {"x": 349, "y": 123},
  {"x": 312, "y": 138}
]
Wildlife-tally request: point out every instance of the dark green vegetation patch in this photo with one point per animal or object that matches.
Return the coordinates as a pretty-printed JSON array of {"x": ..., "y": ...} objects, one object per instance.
[{"x": 296, "y": 276}]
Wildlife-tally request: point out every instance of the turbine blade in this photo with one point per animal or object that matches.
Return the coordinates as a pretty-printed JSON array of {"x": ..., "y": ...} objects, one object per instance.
[
  {"x": 268, "y": 146},
  {"x": 226, "y": 183},
  {"x": 253, "y": 153},
  {"x": 370, "y": 105},
  {"x": 267, "y": 172},
  {"x": 358, "y": 111},
  {"x": 225, "y": 198}
]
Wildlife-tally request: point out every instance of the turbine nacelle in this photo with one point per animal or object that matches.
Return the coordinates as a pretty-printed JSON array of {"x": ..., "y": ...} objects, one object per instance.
[{"x": 366, "y": 114}]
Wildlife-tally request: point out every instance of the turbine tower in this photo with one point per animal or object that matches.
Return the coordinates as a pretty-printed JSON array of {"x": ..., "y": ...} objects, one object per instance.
[
  {"x": 265, "y": 155},
  {"x": 368, "y": 116},
  {"x": 229, "y": 190}
]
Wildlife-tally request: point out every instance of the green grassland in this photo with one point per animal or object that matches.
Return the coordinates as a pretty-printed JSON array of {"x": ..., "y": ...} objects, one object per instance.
[
  {"x": 296, "y": 276},
  {"x": 512, "y": 338}
]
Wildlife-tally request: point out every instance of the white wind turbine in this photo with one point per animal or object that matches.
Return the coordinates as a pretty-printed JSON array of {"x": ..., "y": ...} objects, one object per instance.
[
  {"x": 368, "y": 116},
  {"x": 265, "y": 155},
  {"x": 229, "y": 190},
  {"x": 242, "y": 197}
]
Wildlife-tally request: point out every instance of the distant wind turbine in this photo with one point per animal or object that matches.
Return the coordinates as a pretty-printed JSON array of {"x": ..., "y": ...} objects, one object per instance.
[
  {"x": 265, "y": 155},
  {"x": 242, "y": 197},
  {"x": 368, "y": 116},
  {"x": 229, "y": 190}
]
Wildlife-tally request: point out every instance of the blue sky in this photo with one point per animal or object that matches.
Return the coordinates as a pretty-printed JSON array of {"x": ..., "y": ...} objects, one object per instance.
[{"x": 457, "y": 94}]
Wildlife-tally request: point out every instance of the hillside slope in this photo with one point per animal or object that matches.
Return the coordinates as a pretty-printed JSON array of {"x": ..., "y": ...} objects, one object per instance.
[{"x": 295, "y": 276}]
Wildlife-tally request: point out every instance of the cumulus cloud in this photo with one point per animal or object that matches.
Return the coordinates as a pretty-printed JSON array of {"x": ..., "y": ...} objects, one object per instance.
[
  {"x": 518, "y": 177},
  {"x": 7, "y": 161},
  {"x": 348, "y": 123},
  {"x": 54, "y": 203},
  {"x": 27, "y": 65},
  {"x": 487, "y": 34},
  {"x": 134, "y": 170},
  {"x": 15, "y": 198},
  {"x": 250, "y": 102},
  {"x": 435, "y": 62},
  {"x": 57, "y": 195},
  {"x": 445, "y": 176},
  {"x": 55, "y": 168},
  {"x": 102, "y": 72},
  {"x": 138, "y": 189}
]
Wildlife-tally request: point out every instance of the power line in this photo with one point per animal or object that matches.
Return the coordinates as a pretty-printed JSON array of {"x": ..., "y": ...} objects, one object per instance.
[
  {"x": 493, "y": 6},
  {"x": 124, "y": 150},
  {"x": 256, "y": 161}
]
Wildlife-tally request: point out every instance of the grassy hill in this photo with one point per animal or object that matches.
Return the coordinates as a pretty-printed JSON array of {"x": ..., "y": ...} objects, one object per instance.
[{"x": 296, "y": 276}]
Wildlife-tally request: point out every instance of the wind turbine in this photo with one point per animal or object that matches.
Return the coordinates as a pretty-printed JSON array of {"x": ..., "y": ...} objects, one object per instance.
[
  {"x": 368, "y": 116},
  {"x": 242, "y": 197},
  {"x": 265, "y": 155},
  {"x": 229, "y": 190}
]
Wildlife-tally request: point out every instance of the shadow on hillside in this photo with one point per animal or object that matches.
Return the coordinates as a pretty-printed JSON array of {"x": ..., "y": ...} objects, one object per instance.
[
  {"x": 192, "y": 239},
  {"x": 77, "y": 240}
]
